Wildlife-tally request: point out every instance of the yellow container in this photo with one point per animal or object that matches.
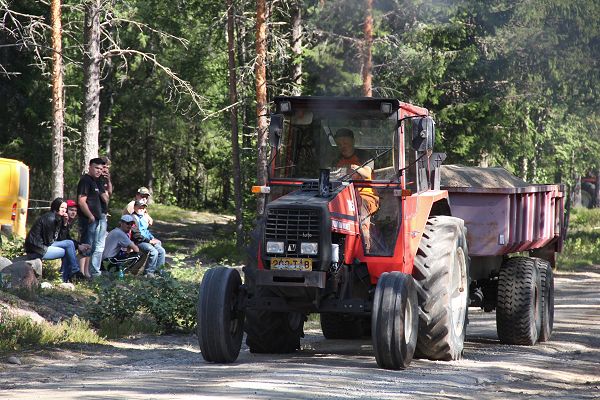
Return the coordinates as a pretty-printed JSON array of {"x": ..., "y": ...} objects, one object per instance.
[{"x": 14, "y": 195}]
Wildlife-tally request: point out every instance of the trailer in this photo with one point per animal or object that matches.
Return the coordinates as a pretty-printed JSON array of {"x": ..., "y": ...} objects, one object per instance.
[{"x": 514, "y": 230}]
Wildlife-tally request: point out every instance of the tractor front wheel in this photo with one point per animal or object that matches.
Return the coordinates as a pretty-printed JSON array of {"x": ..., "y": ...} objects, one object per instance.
[
  {"x": 220, "y": 320},
  {"x": 394, "y": 321}
]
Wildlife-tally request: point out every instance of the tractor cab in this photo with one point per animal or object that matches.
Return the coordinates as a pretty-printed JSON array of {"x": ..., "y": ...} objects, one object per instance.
[{"x": 350, "y": 155}]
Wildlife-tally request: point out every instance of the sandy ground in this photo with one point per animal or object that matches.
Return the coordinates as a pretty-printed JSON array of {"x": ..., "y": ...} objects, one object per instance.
[{"x": 168, "y": 367}]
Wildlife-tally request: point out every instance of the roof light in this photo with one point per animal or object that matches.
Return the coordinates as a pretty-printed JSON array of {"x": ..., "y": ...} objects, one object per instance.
[
  {"x": 261, "y": 189},
  {"x": 285, "y": 106},
  {"x": 385, "y": 108}
]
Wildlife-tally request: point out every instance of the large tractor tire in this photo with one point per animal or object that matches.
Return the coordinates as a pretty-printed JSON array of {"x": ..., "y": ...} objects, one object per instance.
[
  {"x": 220, "y": 320},
  {"x": 547, "y": 281},
  {"x": 340, "y": 326},
  {"x": 273, "y": 332},
  {"x": 519, "y": 307},
  {"x": 442, "y": 279},
  {"x": 394, "y": 320}
]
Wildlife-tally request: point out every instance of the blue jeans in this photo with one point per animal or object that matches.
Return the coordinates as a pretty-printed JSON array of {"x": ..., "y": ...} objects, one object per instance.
[
  {"x": 64, "y": 249},
  {"x": 156, "y": 255},
  {"x": 94, "y": 234}
]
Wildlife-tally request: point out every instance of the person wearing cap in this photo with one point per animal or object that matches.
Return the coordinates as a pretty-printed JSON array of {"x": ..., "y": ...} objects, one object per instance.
[
  {"x": 93, "y": 202},
  {"x": 353, "y": 159},
  {"x": 143, "y": 194},
  {"x": 146, "y": 240},
  {"x": 119, "y": 249}
]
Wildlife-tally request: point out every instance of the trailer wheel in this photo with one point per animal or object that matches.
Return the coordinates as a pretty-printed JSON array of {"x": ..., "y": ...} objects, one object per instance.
[
  {"x": 273, "y": 332},
  {"x": 394, "y": 321},
  {"x": 442, "y": 280},
  {"x": 547, "y": 281},
  {"x": 220, "y": 320},
  {"x": 519, "y": 307},
  {"x": 340, "y": 326}
]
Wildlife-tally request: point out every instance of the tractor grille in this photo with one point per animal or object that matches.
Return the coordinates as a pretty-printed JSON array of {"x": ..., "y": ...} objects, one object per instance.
[{"x": 292, "y": 226}]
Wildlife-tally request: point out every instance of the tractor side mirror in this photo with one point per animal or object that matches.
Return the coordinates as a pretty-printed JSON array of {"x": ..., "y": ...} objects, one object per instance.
[
  {"x": 423, "y": 133},
  {"x": 275, "y": 130}
]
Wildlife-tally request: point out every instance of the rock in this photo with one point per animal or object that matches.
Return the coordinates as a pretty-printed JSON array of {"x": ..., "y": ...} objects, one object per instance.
[
  {"x": 4, "y": 262},
  {"x": 67, "y": 286},
  {"x": 14, "y": 360},
  {"x": 36, "y": 265},
  {"x": 46, "y": 285},
  {"x": 19, "y": 275}
]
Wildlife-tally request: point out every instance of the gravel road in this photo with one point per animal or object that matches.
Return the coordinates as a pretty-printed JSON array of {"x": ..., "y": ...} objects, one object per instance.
[{"x": 169, "y": 367}]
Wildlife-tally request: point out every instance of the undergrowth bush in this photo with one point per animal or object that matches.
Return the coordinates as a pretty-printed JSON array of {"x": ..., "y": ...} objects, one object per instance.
[
  {"x": 171, "y": 303},
  {"x": 12, "y": 248}
]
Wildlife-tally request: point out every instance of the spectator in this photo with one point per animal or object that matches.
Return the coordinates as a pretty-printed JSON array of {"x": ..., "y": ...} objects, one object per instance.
[
  {"x": 44, "y": 240},
  {"x": 119, "y": 249},
  {"x": 105, "y": 177},
  {"x": 146, "y": 241},
  {"x": 93, "y": 202},
  {"x": 142, "y": 194},
  {"x": 74, "y": 233}
]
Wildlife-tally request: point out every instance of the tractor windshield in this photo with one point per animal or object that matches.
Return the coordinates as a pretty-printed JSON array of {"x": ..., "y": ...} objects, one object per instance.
[{"x": 313, "y": 139}]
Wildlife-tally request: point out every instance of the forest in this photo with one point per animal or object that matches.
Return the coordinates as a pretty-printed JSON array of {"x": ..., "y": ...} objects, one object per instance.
[{"x": 182, "y": 88}]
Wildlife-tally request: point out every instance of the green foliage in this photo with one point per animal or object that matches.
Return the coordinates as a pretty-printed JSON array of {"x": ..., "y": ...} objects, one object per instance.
[
  {"x": 12, "y": 248},
  {"x": 18, "y": 332},
  {"x": 170, "y": 302},
  {"x": 582, "y": 246}
]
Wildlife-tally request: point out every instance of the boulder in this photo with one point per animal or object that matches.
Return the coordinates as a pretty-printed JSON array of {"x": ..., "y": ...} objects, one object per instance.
[
  {"x": 19, "y": 275},
  {"x": 4, "y": 262},
  {"x": 33, "y": 260}
]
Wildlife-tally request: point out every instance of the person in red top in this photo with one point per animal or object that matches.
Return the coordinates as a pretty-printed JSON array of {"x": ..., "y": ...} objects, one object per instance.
[{"x": 353, "y": 158}]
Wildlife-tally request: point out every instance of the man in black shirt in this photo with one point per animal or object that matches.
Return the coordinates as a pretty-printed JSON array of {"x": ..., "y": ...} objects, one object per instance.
[{"x": 93, "y": 201}]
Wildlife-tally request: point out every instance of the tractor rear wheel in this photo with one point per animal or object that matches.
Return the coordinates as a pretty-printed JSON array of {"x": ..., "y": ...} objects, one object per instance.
[
  {"x": 547, "y": 280},
  {"x": 394, "y": 321},
  {"x": 519, "y": 307},
  {"x": 442, "y": 279},
  {"x": 273, "y": 332},
  {"x": 220, "y": 320},
  {"x": 340, "y": 326}
]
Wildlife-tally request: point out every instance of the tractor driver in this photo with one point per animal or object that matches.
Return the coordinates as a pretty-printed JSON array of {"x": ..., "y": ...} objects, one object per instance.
[{"x": 354, "y": 158}]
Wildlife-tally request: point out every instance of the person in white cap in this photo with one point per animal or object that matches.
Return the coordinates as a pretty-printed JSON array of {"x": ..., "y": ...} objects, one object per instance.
[
  {"x": 119, "y": 248},
  {"x": 143, "y": 194}
]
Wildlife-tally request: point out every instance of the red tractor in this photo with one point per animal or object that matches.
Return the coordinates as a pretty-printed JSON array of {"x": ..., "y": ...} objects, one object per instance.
[{"x": 357, "y": 229}]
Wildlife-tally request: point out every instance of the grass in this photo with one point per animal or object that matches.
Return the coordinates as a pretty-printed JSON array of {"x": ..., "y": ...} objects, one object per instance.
[
  {"x": 19, "y": 332},
  {"x": 582, "y": 247}
]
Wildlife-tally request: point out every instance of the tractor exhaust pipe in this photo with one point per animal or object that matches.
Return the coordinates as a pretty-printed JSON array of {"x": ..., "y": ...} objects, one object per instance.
[{"x": 324, "y": 182}]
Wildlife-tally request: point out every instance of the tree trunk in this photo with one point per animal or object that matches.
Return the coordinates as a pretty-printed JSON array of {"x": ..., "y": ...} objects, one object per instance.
[
  {"x": 58, "y": 116},
  {"x": 597, "y": 190},
  {"x": 367, "y": 66},
  {"x": 261, "y": 99},
  {"x": 233, "y": 118},
  {"x": 297, "y": 47},
  {"x": 149, "y": 175},
  {"x": 91, "y": 79},
  {"x": 576, "y": 197}
]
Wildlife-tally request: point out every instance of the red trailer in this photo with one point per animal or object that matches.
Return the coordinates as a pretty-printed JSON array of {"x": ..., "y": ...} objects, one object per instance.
[{"x": 511, "y": 226}]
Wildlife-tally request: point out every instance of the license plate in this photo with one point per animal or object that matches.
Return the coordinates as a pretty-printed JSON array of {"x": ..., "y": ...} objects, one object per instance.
[{"x": 292, "y": 264}]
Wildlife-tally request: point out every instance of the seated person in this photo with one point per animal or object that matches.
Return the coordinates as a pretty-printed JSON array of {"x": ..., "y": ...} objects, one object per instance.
[
  {"x": 143, "y": 194},
  {"x": 146, "y": 240},
  {"x": 119, "y": 250},
  {"x": 352, "y": 158},
  {"x": 46, "y": 241}
]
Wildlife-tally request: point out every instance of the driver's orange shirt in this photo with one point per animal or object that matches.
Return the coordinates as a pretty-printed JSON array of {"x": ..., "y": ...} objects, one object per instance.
[{"x": 364, "y": 192}]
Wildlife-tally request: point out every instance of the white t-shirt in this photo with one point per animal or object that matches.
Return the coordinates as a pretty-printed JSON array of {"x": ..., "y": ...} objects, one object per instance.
[{"x": 115, "y": 241}]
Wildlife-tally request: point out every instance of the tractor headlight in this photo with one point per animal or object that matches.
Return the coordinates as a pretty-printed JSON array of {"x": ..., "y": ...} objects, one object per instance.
[
  {"x": 309, "y": 249},
  {"x": 275, "y": 247}
]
